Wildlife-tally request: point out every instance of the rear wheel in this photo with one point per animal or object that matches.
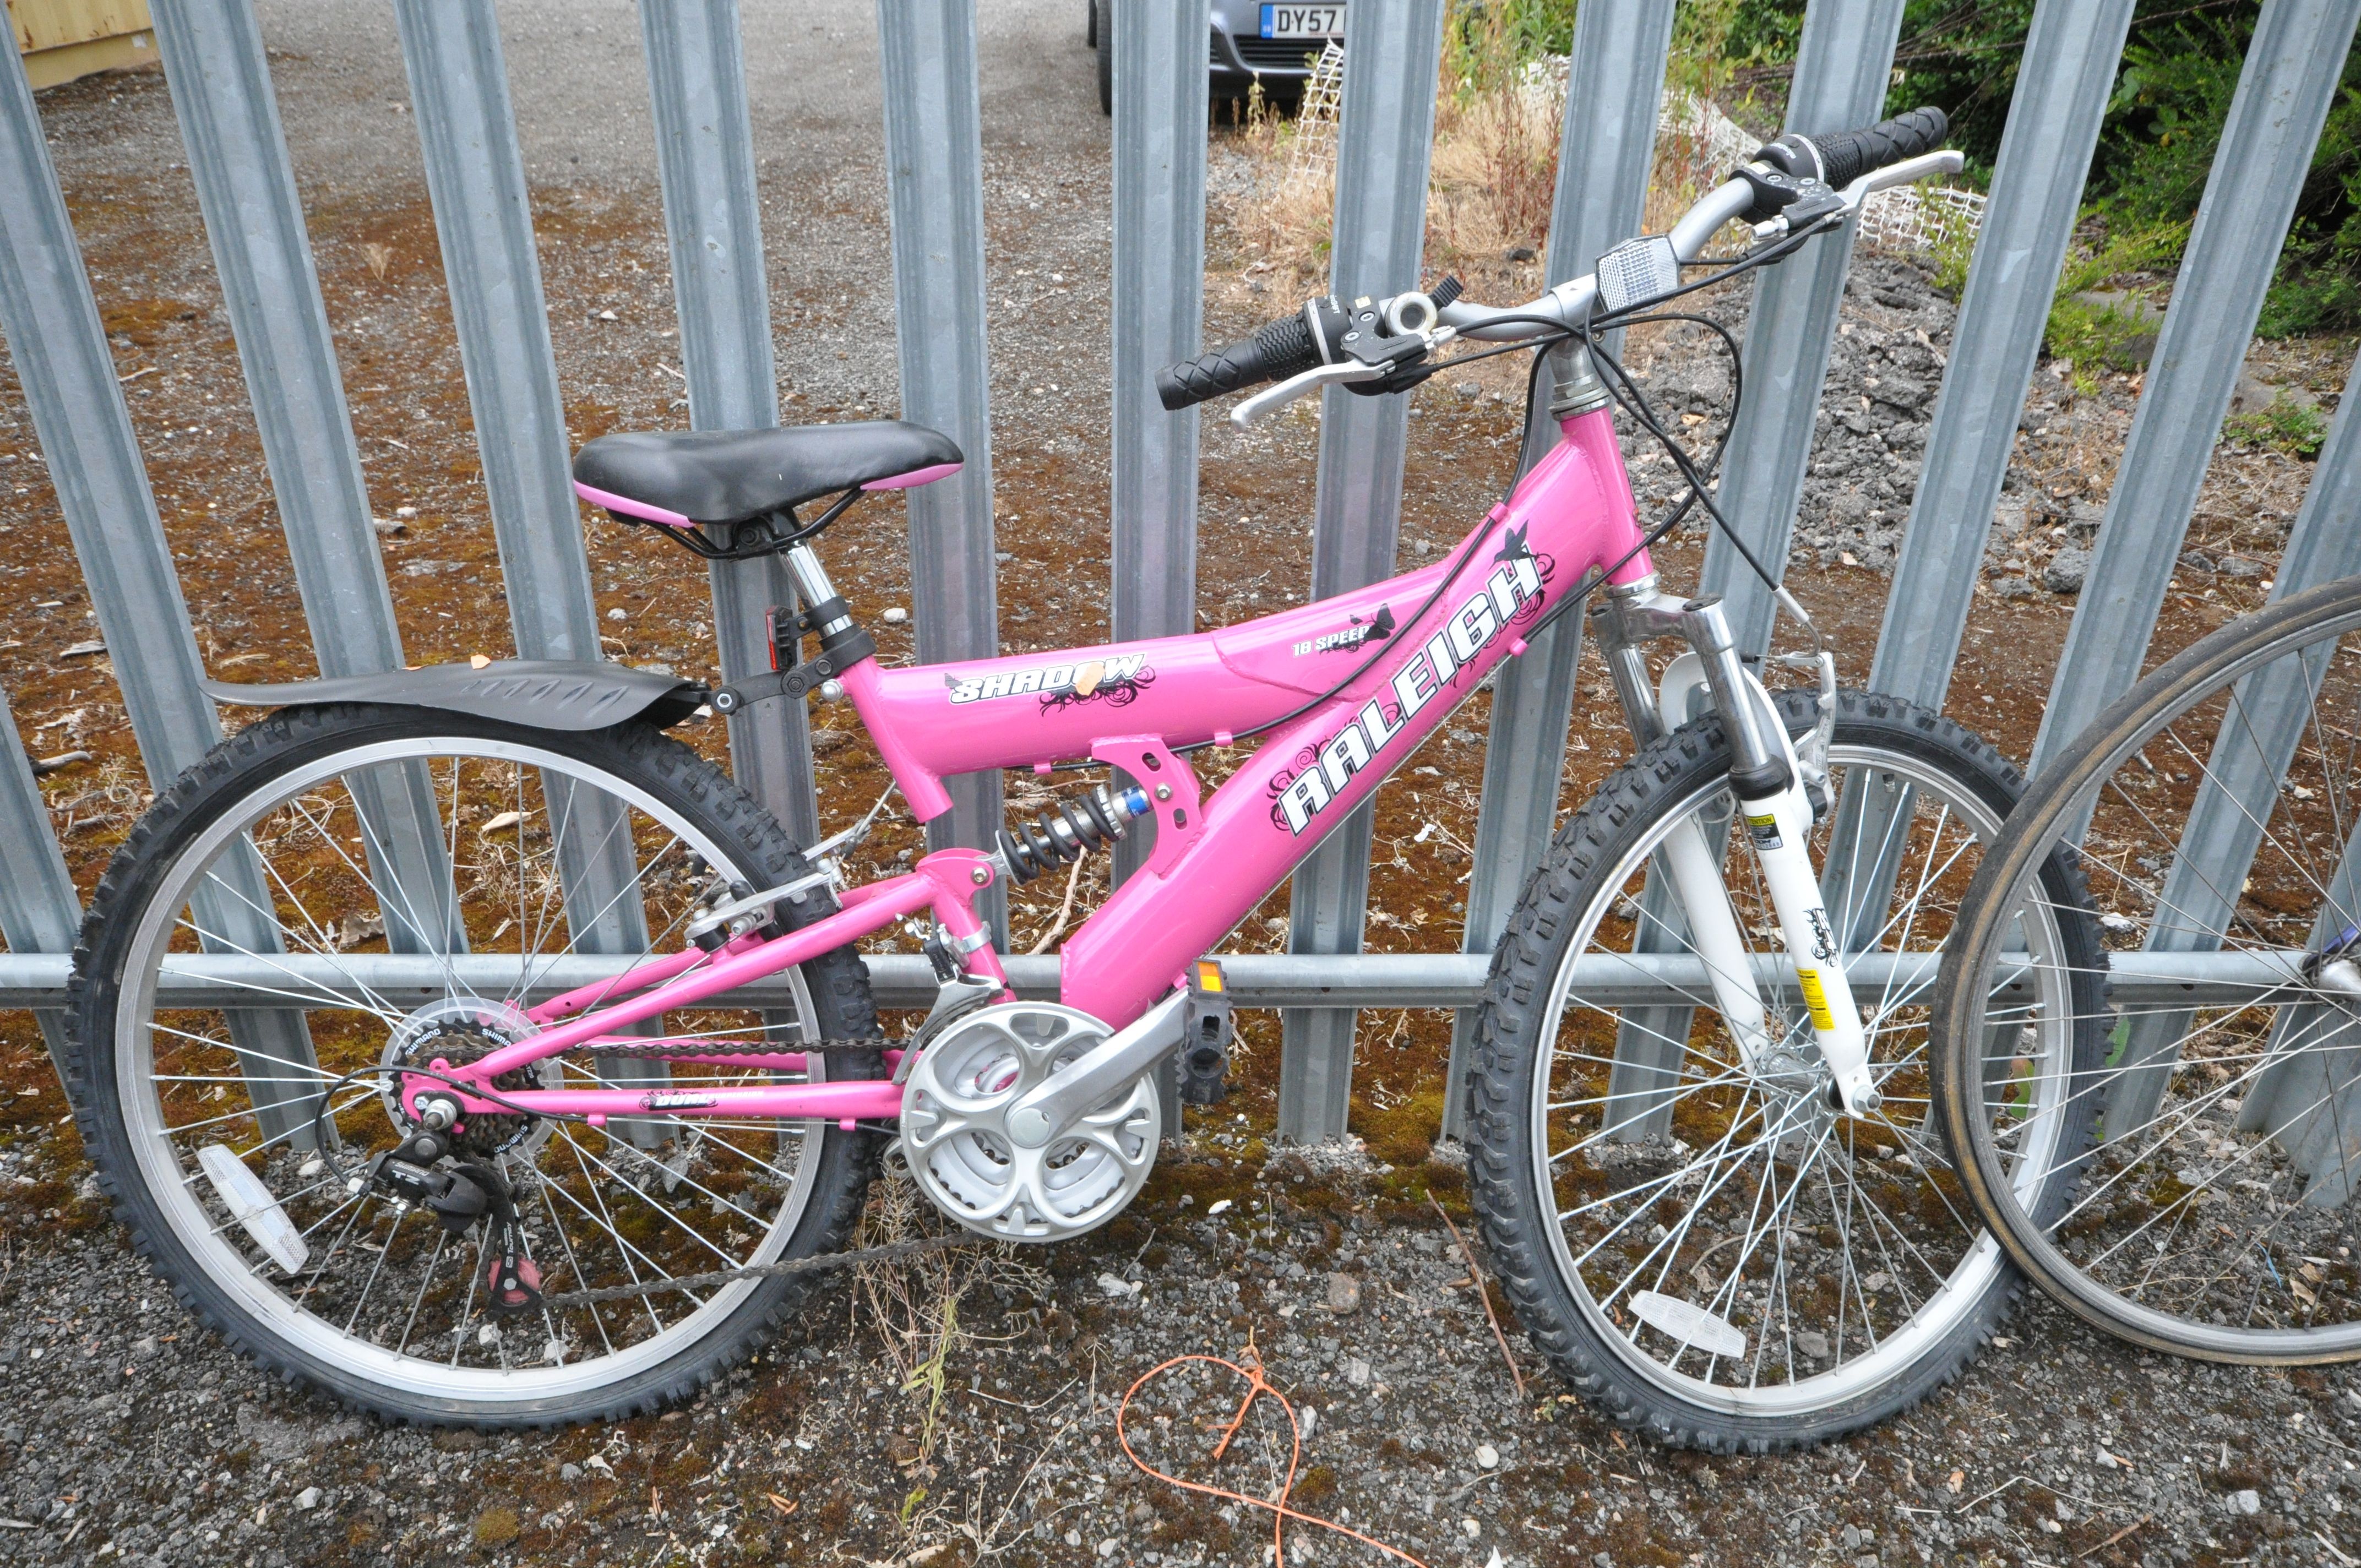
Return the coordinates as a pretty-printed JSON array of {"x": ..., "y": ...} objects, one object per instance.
[
  {"x": 1699, "y": 1242},
  {"x": 314, "y": 852}
]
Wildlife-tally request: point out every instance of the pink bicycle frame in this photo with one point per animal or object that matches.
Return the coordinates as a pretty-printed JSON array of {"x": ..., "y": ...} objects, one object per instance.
[{"x": 1436, "y": 633}]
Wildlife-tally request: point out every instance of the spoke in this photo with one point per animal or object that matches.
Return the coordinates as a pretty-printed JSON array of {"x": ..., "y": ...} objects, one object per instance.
[
  {"x": 180, "y": 1127},
  {"x": 565, "y": 1243},
  {"x": 375, "y": 1004},
  {"x": 371, "y": 1283},
  {"x": 408, "y": 912}
]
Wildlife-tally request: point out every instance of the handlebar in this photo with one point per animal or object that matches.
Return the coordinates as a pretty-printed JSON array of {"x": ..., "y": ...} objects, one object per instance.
[
  {"x": 1793, "y": 185},
  {"x": 1282, "y": 349},
  {"x": 1846, "y": 156}
]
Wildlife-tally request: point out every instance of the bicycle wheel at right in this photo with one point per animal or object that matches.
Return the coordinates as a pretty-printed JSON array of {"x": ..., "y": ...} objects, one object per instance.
[
  {"x": 1697, "y": 1239},
  {"x": 2217, "y": 809}
]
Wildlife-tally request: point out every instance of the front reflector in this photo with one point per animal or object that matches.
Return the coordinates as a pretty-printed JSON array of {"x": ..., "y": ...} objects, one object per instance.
[
  {"x": 1691, "y": 1325},
  {"x": 252, "y": 1206}
]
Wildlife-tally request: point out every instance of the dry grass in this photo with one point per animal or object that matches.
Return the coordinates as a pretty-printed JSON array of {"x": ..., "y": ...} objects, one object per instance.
[
  {"x": 912, "y": 1305},
  {"x": 1491, "y": 187}
]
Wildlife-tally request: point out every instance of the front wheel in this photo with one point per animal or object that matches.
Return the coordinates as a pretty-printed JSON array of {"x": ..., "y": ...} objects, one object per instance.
[
  {"x": 1696, "y": 1240},
  {"x": 380, "y": 887}
]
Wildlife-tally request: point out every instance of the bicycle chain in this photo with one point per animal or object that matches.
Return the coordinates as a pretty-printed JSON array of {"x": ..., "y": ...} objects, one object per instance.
[
  {"x": 823, "y": 1263},
  {"x": 660, "y": 1051}
]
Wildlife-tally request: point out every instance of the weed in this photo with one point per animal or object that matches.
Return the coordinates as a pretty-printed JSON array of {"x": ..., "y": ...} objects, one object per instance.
[
  {"x": 2285, "y": 425},
  {"x": 929, "y": 1379},
  {"x": 1954, "y": 250},
  {"x": 913, "y": 1306},
  {"x": 2092, "y": 332}
]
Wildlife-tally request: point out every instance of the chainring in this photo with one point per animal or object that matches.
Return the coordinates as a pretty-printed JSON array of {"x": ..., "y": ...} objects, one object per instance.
[
  {"x": 954, "y": 1108},
  {"x": 461, "y": 1030}
]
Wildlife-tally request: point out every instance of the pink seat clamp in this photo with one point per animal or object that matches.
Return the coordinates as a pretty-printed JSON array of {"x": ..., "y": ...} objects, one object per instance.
[
  {"x": 914, "y": 479},
  {"x": 630, "y": 507}
]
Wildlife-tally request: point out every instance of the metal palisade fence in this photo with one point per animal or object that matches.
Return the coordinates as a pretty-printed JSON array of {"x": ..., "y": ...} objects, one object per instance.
[{"x": 222, "y": 92}]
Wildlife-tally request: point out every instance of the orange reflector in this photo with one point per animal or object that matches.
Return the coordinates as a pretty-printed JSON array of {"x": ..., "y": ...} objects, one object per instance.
[{"x": 1209, "y": 975}]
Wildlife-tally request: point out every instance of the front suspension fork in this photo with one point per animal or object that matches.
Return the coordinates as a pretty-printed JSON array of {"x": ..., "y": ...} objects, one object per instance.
[{"x": 1773, "y": 792}]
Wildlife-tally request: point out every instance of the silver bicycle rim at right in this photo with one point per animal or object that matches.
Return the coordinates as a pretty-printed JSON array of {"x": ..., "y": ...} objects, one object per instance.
[
  {"x": 1765, "y": 1381},
  {"x": 2215, "y": 1217}
]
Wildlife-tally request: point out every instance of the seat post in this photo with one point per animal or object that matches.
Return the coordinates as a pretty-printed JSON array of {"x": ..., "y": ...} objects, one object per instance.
[{"x": 811, "y": 582}]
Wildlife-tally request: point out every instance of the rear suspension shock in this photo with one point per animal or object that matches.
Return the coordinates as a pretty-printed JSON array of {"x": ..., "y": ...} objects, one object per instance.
[{"x": 1065, "y": 832}]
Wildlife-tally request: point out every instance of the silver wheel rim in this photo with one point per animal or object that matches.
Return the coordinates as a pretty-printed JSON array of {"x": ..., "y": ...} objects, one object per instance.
[
  {"x": 1814, "y": 1178},
  {"x": 2196, "y": 1122},
  {"x": 606, "y": 1344}
]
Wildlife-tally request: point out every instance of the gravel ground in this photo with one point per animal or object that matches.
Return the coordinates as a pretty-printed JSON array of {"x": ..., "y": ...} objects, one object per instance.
[{"x": 128, "y": 1434}]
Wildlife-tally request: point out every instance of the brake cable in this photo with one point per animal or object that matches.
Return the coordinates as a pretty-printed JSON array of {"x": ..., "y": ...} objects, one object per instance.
[{"x": 1560, "y": 333}]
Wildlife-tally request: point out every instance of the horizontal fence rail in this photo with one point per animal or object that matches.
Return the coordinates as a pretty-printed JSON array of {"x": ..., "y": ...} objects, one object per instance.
[
  {"x": 311, "y": 982},
  {"x": 223, "y": 97}
]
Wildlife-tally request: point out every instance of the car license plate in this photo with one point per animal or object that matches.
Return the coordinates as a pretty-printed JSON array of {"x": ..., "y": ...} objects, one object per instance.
[{"x": 1303, "y": 21}]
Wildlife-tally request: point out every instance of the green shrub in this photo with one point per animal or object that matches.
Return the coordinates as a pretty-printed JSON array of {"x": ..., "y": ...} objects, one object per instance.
[
  {"x": 2288, "y": 425},
  {"x": 2096, "y": 332},
  {"x": 2164, "y": 121}
]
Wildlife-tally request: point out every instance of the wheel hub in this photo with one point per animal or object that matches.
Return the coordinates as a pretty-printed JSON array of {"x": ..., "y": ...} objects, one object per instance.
[
  {"x": 955, "y": 1135},
  {"x": 460, "y": 1030}
]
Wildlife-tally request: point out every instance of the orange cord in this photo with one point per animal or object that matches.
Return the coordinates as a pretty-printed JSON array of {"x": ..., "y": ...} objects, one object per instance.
[{"x": 1257, "y": 1385}]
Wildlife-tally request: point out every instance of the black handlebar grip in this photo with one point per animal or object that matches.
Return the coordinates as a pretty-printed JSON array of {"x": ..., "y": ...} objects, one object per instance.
[
  {"x": 1283, "y": 348},
  {"x": 1846, "y": 156}
]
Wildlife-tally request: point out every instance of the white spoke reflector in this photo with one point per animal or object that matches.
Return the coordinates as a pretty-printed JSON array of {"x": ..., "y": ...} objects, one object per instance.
[
  {"x": 1688, "y": 1323},
  {"x": 252, "y": 1206}
]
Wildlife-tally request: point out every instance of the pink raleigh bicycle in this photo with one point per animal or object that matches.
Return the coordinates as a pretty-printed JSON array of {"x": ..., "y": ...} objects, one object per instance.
[{"x": 541, "y": 1049}]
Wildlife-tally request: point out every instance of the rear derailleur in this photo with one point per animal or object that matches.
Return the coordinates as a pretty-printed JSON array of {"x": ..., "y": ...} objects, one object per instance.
[{"x": 423, "y": 1172}]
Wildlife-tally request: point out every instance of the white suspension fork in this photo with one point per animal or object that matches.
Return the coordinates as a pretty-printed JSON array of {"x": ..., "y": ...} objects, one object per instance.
[{"x": 1778, "y": 827}]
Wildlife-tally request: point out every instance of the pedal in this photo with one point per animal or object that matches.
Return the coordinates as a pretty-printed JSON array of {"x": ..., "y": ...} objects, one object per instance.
[{"x": 1205, "y": 1034}]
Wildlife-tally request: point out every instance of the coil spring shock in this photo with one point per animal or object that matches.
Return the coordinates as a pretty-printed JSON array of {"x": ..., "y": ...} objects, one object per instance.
[{"x": 1062, "y": 835}]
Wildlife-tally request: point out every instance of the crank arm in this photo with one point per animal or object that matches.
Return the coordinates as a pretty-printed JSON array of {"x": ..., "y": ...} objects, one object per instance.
[{"x": 1081, "y": 1086}]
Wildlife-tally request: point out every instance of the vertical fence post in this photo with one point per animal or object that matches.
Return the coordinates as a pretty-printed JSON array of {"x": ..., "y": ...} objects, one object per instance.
[
  {"x": 474, "y": 176},
  {"x": 220, "y": 83},
  {"x": 934, "y": 156},
  {"x": 483, "y": 218},
  {"x": 2062, "y": 86},
  {"x": 52, "y": 323},
  {"x": 1842, "y": 67},
  {"x": 1161, "y": 101},
  {"x": 704, "y": 156},
  {"x": 2259, "y": 733},
  {"x": 1840, "y": 82},
  {"x": 1385, "y": 138},
  {"x": 2284, "y": 93},
  {"x": 39, "y": 909},
  {"x": 1605, "y": 154},
  {"x": 1162, "y": 96}
]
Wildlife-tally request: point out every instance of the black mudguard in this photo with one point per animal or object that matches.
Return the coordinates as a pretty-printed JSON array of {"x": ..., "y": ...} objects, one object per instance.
[{"x": 546, "y": 694}]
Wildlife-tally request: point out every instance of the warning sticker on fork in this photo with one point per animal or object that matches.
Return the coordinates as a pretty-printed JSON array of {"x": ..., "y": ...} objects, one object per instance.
[
  {"x": 1764, "y": 831},
  {"x": 1816, "y": 998}
]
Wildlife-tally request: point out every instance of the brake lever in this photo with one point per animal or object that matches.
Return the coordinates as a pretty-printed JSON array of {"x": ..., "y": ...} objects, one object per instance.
[
  {"x": 1398, "y": 373},
  {"x": 1821, "y": 207},
  {"x": 1909, "y": 171},
  {"x": 1271, "y": 398}
]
